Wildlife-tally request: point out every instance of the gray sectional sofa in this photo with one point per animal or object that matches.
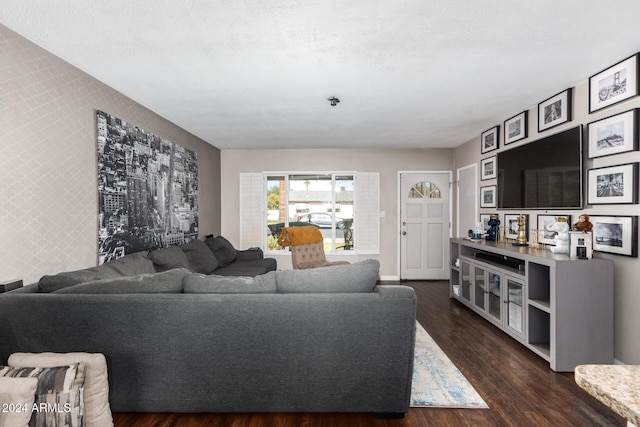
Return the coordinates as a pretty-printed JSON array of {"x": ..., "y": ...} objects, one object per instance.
[{"x": 322, "y": 340}]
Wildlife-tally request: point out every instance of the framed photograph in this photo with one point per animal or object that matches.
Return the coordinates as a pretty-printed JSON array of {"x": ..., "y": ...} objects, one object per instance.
[
  {"x": 580, "y": 244},
  {"x": 613, "y": 185},
  {"x": 490, "y": 139},
  {"x": 488, "y": 168},
  {"x": 613, "y": 85},
  {"x": 488, "y": 196},
  {"x": 544, "y": 220},
  {"x": 555, "y": 110},
  {"x": 511, "y": 225},
  {"x": 516, "y": 128},
  {"x": 615, "y": 234},
  {"x": 613, "y": 135}
]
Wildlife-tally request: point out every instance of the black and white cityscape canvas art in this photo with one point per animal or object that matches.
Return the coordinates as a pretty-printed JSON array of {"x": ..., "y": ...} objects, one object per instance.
[{"x": 147, "y": 189}]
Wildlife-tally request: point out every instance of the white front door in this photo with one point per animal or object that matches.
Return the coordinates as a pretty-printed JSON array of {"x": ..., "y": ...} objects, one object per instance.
[{"x": 424, "y": 225}]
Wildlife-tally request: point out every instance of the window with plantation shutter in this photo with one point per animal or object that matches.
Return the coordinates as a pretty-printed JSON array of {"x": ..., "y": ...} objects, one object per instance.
[
  {"x": 252, "y": 210},
  {"x": 345, "y": 206},
  {"x": 367, "y": 213}
]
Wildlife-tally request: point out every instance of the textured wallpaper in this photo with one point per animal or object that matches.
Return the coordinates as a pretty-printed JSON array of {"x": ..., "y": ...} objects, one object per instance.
[{"x": 48, "y": 167}]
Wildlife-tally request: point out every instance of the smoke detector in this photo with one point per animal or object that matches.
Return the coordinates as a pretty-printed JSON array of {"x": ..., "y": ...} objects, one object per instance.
[{"x": 333, "y": 100}]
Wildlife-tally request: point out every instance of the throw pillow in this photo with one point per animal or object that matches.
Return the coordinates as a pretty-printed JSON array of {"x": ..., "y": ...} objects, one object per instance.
[
  {"x": 201, "y": 284},
  {"x": 167, "y": 258},
  {"x": 59, "y": 394},
  {"x": 129, "y": 265},
  {"x": 165, "y": 282},
  {"x": 357, "y": 277},
  {"x": 223, "y": 250},
  {"x": 97, "y": 412},
  {"x": 17, "y": 396},
  {"x": 200, "y": 257}
]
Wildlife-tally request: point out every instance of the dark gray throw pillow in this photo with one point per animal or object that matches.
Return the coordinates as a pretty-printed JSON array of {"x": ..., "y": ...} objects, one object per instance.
[
  {"x": 129, "y": 265},
  {"x": 223, "y": 250},
  {"x": 201, "y": 284},
  {"x": 166, "y": 282},
  {"x": 357, "y": 277},
  {"x": 200, "y": 257},
  {"x": 167, "y": 258}
]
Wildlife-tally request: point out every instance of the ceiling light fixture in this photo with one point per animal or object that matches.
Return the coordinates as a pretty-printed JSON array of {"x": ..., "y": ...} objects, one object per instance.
[{"x": 334, "y": 101}]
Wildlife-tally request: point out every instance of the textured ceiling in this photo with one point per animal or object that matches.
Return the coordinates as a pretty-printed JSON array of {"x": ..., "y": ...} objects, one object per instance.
[{"x": 409, "y": 73}]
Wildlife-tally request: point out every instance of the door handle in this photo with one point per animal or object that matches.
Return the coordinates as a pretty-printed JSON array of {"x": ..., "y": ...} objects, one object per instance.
[{"x": 404, "y": 233}]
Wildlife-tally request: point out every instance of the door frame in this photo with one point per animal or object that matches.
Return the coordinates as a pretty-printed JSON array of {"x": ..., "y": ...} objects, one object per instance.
[
  {"x": 399, "y": 211},
  {"x": 459, "y": 232}
]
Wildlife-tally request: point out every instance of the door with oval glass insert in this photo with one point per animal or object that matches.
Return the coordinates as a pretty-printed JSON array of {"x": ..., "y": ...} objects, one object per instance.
[{"x": 424, "y": 225}]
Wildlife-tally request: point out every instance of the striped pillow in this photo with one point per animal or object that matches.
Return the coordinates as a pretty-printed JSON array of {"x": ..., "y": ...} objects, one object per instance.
[{"x": 59, "y": 399}]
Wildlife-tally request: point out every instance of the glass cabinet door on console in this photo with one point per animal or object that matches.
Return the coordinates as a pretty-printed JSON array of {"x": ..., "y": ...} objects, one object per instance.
[
  {"x": 515, "y": 311},
  {"x": 495, "y": 296},
  {"x": 465, "y": 283},
  {"x": 479, "y": 287}
]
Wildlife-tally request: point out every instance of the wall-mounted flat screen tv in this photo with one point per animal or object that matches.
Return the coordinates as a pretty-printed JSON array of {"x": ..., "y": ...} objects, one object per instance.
[{"x": 543, "y": 174}]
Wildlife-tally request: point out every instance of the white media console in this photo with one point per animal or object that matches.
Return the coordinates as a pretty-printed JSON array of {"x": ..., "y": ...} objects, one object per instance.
[{"x": 560, "y": 308}]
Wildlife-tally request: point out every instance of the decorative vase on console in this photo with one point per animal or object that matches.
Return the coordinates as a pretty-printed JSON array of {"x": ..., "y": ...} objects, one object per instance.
[
  {"x": 561, "y": 239},
  {"x": 492, "y": 233}
]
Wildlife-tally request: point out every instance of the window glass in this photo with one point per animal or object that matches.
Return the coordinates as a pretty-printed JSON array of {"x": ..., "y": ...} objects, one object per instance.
[
  {"x": 276, "y": 209},
  {"x": 425, "y": 189},
  {"x": 324, "y": 200}
]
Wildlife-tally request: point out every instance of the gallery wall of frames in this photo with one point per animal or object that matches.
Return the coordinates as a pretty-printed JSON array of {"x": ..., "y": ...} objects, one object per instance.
[{"x": 608, "y": 110}]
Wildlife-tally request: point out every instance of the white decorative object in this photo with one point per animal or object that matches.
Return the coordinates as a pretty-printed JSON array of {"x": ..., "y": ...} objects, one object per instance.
[{"x": 561, "y": 227}]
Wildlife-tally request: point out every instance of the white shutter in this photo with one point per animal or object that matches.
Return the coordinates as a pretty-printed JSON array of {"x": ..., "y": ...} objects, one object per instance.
[
  {"x": 252, "y": 210},
  {"x": 367, "y": 213}
]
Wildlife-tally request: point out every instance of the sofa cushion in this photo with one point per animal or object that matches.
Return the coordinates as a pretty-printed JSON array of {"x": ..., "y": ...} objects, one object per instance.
[
  {"x": 223, "y": 250},
  {"x": 167, "y": 258},
  {"x": 61, "y": 385},
  {"x": 200, "y": 257},
  {"x": 357, "y": 277},
  {"x": 96, "y": 386},
  {"x": 18, "y": 393},
  {"x": 269, "y": 264},
  {"x": 250, "y": 254},
  {"x": 129, "y": 265},
  {"x": 169, "y": 281},
  {"x": 241, "y": 270},
  {"x": 201, "y": 284},
  {"x": 248, "y": 268}
]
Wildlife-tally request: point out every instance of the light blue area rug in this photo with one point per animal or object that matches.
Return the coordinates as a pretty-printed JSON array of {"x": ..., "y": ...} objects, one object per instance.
[{"x": 436, "y": 380}]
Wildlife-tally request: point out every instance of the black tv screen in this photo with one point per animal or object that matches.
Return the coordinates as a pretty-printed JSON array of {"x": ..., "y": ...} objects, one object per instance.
[{"x": 543, "y": 174}]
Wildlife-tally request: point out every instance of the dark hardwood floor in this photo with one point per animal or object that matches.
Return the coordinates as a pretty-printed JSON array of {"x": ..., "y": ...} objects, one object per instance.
[{"x": 518, "y": 386}]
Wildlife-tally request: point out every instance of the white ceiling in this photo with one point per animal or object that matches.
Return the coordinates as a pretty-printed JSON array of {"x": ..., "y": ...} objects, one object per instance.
[{"x": 409, "y": 73}]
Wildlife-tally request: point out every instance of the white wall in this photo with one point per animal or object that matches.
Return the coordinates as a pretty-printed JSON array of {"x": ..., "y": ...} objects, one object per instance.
[
  {"x": 627, "y": 270},
  {"x": 386, "y": 162}
]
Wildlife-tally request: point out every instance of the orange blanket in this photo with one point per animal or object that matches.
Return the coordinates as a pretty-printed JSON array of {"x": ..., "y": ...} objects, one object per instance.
[{"x": 299, "y": 235}]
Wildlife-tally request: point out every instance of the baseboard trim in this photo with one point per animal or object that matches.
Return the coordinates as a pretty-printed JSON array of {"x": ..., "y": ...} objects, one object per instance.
[{"x": 390, "y": 278}]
